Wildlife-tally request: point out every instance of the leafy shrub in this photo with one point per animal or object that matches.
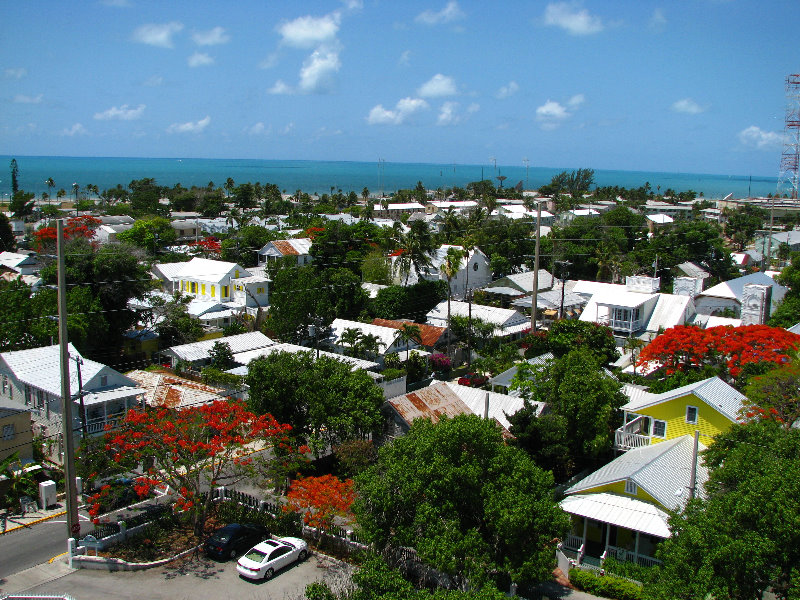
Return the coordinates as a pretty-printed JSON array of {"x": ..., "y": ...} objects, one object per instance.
[
  {"x": 627, "y": 569},
  {"x": 607, "y": 586},
  {"x": 390, "y": 373}
]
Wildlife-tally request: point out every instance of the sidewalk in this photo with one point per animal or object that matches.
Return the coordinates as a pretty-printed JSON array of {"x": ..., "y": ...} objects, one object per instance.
[
  {"x": 11, "y": 522},
  {"x": 35, "y": 576}
]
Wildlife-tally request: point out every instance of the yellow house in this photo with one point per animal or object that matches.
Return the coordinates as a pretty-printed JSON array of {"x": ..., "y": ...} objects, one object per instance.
[
  {"x": 622, "y": 509},
  {"x": 710, "y": 406}
]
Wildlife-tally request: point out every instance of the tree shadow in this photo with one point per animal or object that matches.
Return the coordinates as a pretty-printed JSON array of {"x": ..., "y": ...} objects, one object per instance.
[{"x": 197, "y": 566}]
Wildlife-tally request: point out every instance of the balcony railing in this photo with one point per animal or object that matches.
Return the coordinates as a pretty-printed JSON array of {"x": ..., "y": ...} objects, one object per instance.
[
  {"x": 629, "y": 436},
  {"x": 623, "y": 555},
  {"x": 620, "y": 324},
  {"x": 573, "y": 542}
]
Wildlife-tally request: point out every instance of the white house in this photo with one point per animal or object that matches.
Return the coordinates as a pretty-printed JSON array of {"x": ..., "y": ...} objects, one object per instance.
[
  {"x": 198, "y": 353},
  {"x": 475, "y": 271},
  {"x": 756, "y": 293},
  {"x": 388, "y": 337},
  {"x": 24, "y": 264},
  {"x": 31, "y": 379},
  {"x": 298, "y": 247},
  {"x": 635, "y": 308},
  {"x": 508, "y": 322}
]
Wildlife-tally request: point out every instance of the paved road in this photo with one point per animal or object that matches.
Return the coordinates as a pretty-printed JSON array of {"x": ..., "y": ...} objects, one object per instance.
[{"x": 196, "y": 578}]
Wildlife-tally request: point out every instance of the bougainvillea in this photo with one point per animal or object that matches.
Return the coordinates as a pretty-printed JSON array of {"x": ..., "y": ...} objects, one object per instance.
[
  {"x": 321, "y": 499},
  {"x": 727, "y": 348},
  {"x": 189, "y": 450}
]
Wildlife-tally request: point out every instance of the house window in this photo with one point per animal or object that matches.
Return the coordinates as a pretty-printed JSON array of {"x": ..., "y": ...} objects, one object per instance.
[
  {"x": 631, "y": 487},
  {"x": 659, "y": 428},
  {"x": 225, "y": 291},
  {"x": 691, "y": 415},
  {"x": 103, "y": 380},
  {"x": 475, "y": 267},
  {"x": 194, "y": 287},
  {"x": 5, "y": 383},
  {"x": 625, "y": 314},
  {"x": 236, "y": 274},
  {"x": 260, "y": 290},
  {"x": 8, "y": 432},
  {"x": 213, "y": 291},
  {"x": 203, "y": 289}
]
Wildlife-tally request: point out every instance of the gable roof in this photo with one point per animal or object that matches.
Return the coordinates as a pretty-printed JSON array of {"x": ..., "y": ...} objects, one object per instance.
[
  {"x": 291, "y": 247},
  {"x": 659, "y": 469},
  {"x": 713, "y": 391},
  {"x": 386, "y": 335},
  {"x": 430, "y": 334},
  {"x": 238, "y": 343},
  {"x": 169, "y": 391},
  {"x": 210, "y": 270},
  {"x": 734, "y": 288},
  {"x": 619, "y": 510},
  {"x": 501, "y": 406},
  {"x": 504, "y": 378},
  {"x": 693, "y": 270},
  {"x": 501, "y": 317}
]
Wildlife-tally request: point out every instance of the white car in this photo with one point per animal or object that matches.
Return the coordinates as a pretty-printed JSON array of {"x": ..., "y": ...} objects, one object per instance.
[{"x": 264, "y": 559}]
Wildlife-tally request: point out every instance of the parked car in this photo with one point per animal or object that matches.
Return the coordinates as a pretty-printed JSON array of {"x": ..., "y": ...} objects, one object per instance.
[
  {"x": 473, "y": 380},
  {"x": 264, "y": 559},
  {"x": 230, "y": 541}
]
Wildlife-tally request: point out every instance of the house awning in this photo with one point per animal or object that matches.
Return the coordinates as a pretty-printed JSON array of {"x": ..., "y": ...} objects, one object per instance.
[{"x": 621, "y": 511}]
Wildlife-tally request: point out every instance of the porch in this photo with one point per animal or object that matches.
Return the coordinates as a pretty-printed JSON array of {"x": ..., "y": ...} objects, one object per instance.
[
  {"x": 108, "y": 407},
  {"x": 606, "y": 525},
  {"x": 633, "y": 434}
]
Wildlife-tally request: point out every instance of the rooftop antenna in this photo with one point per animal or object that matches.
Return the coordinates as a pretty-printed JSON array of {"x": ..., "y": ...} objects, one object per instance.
[{"x": 494, "y": 162}]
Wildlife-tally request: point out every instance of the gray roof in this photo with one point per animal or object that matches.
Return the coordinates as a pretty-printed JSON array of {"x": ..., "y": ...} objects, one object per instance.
[
  {"x": 504, "y": 379},
  {"x": 238, "y": 343},
  {"x": 501, "y": 406},
  {"x": 713, "y": 391},
  {"x": 659, "y": 469},
  {"x": 693, "y": 270}
]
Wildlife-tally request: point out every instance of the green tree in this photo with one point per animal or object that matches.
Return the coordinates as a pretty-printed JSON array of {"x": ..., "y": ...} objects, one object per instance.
[
  {"x": 323, "y": 399},
  {"x": 150, "y": 234},
  {"x": 569, "y": 334},
  {"x": 468, "y": 503},
  {"x": 741, "y": 224},
  {"x": 22, "y": 204},
  {"x": 145, "y": 197},
  {"x": 50, "y": 185},
  {"x": 375, "y": 268},
  {"x": 242, "y": 247},
  {"x": 449, "y": 268},
  {"x": 742, "y": 539},
  {"x": 14, "y": 177},
  {"x": 7, "y": 241},
  {"x": 220, "y": 356},
  {"x": 408, "y": 333},
  {"x": 173, "y": 323}
]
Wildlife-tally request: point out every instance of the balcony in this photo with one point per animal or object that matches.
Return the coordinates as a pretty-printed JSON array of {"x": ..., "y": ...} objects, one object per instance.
[
  {"x": 631, "y": 435},
  {"x": 621, "y": 324}
]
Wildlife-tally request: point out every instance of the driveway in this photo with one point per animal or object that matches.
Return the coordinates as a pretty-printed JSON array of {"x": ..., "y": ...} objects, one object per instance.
[{"x": 195, "y": 578}]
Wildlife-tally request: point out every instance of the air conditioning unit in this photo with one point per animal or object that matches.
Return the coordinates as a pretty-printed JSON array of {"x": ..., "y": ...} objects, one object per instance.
[{"x": 47, "y": 494}]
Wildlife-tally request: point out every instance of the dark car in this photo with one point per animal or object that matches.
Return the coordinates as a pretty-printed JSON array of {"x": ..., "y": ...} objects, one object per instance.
[
  {"x": 230, "y": 541},
  {"x": 473, "y": 380}
]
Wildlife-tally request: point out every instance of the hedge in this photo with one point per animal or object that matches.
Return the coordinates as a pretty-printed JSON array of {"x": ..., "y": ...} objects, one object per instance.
[{"x": 607, "y": 586}]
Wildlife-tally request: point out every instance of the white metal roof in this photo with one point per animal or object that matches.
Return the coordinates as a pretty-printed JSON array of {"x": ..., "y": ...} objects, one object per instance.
[
  {"x": 622, "y": 511},
  {"x": 670, "y": 310},
  {"x": 244, "y": 358},
  {"x": 103, "y": 396},
  {"x": 386, "y": 335},
  {"x": 238, "y": 343},
  {"x": 619, "y": 298},
  {"x": 501, "y": 317},
  {"x": 209, "y": 270},
  {"x": 662, "y": 470},
  {"x": 713, "y": 391},
  {"x": 734, "y": 288},
  {"x": 501, "y": 406},
  {"x": 660, "y": 219}
]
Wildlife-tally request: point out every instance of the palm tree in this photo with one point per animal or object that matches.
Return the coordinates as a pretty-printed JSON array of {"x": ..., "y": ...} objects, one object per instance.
[
  {"x": 365, "y": 194},
  {"x": 350, "y": 337},
  {"x": 409, "y": 332},
  {"x": 369, "y": 345},
  {"x": 419, "y": 246},
  {"x": 229, "y": 185},
  {"x": 50, "y": 185},
  {"x": 60, "y": 194},
  {"x": 449, "y": 268}
]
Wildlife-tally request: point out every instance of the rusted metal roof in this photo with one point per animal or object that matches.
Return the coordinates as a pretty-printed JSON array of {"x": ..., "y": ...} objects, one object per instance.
[
  {"x": 285, "y": 248},
  {"x": 430, "y": 334}
]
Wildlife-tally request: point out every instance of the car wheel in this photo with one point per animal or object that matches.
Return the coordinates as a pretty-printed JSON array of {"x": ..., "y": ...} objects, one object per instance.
[
  {"x": 232, "y": 553},
  {"x": 303, "y": 555},
  {"x": 268, "y": 574}
]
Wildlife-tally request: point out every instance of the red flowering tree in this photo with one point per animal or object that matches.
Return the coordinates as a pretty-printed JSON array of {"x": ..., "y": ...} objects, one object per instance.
[
  {"x": 208, "y": 245},
  {"x": 729, "y": 349},
  {"x": 84, "y": 226},
  {"x": 321, "y": 499},
  {"x": 191, "y": 450}
]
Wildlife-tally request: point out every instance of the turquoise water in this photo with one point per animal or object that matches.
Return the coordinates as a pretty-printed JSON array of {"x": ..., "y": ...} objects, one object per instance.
[{"x": 321, "y": 176}]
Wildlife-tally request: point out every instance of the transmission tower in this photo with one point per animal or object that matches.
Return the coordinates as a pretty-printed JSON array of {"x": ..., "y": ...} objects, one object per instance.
[{"x": 790, "y": 157}]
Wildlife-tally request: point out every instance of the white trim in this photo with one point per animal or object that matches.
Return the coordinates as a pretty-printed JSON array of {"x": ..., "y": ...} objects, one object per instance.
[
  {"x": 631, "y": 487},
  {"x": 696, "y": 414},
  {"x": 653, "y": 429}
]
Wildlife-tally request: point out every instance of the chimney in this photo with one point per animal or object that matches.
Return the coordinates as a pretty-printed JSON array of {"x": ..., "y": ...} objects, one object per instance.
[
  {"x": 643, "y": 284},
  {"x": 687, "y": 286},
  {"x": 486, "y": 406},
  {"x": 756, "y": 301}
]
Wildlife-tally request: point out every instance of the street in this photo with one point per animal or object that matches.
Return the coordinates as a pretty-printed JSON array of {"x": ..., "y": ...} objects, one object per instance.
[{"x": 194, "y": 578}]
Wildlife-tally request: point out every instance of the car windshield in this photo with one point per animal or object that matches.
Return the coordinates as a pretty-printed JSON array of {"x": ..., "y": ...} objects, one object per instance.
[
  {"x": 255, "y": 555},
  {"x": 221, "y": 537},
  {"x": 292, "y": 546}
]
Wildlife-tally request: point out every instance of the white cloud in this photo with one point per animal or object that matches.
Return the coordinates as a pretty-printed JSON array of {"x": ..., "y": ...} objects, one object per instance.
[
  {"x": 551, "y": 114},
  {"x": 451, "y": 12},
  {"x": 447, "y": 114},
  {"x": 404, "y": 58},
  {"x": 573, "y": 19},
  {"x": 260, "y": 129},
  {"x": 353, "y": 4},
  {"x": 437, "y": 86},
  {"x": 308, "y": 31},
  {"x": 212, "y": 37},
  {"x": 76, "y": 129},
  {"x": 157, "y": 34},
  {"x": 288, "y": 128},
  {"x": 190, "y": 127},
  {"x": 658, "y": 20},
  {"x": 755, "y": 137},
  {"x": 269, "y": 61},
  {"x": 688, "y": 106},
  {"x": 576, "y": 101},
  {"x": 24, "y": 99},
  {"x": 199, "y": 59},
  {"x": 316, "y": 76},
  {"x": 15, "y": 73},
  {"x": 402, "y": 110},
  {"x": 123, "y": 113},
  {"x": 154, "y": 81},
  {"x": 280, "y": 88},
  {"x": 473, "y": 108},
  {"x": 507, "y": 90}
]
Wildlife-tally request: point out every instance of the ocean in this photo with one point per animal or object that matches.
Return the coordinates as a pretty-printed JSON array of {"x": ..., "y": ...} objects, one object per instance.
[{"x": 322, "y": 176}]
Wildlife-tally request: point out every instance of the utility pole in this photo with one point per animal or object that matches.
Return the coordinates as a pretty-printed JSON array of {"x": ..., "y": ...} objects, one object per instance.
[
  {"x": 73, "y": 526},
  {"x": 78, "y": 363},
  {"x": 563, "y": 266},
  {"x": 535, "y": 295},
  {"x": 693, "y": 474}
]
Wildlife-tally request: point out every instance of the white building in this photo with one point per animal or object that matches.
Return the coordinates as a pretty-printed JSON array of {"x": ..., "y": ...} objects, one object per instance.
[
  {"x": 508, "y": 322},
  {"x": 737, "y": 294},
  {"x": 475, "y": 271},
  {"x": 276, "y": 249},
  {"x": 219, "y": 281}
]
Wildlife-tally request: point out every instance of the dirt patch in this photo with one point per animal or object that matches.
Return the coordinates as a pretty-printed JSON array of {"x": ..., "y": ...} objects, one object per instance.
[{"x": 159, "y": 541}]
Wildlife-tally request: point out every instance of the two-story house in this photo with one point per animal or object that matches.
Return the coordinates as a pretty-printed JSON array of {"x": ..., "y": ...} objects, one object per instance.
[
  {"x": 219, "y": 281},
  {"x": 474, "y": 273}
]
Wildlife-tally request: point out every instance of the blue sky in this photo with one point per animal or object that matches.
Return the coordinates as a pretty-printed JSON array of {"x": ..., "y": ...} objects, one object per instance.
[{"x": 689, "y": 86}]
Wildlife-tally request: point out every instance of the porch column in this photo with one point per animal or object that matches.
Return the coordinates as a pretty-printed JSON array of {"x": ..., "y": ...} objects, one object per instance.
[
  {"x": 585, "y": 527},
  {"x": 630, "y": 328},
  {"x": 636, "y": 550},
  {"x": 608, "y": 535}
]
